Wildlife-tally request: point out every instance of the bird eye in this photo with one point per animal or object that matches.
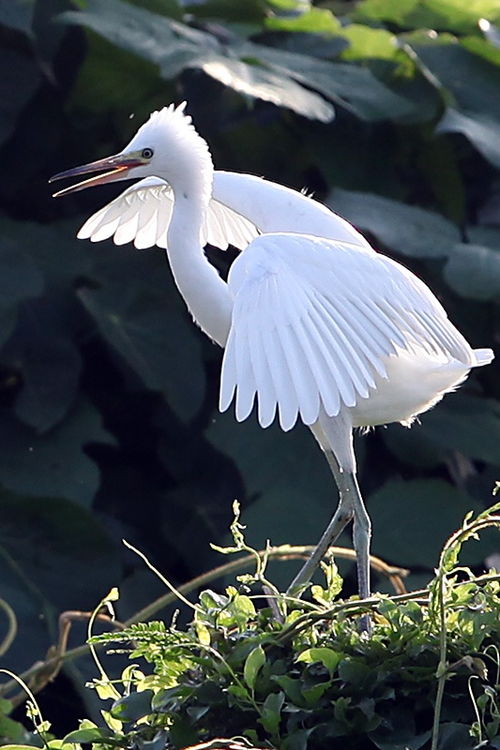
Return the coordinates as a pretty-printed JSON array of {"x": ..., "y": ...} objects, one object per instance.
[{"x": 147, "y": 153}]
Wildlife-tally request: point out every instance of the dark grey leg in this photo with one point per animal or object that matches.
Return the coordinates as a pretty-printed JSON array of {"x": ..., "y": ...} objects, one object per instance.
[{"x": 350, "y": 507}]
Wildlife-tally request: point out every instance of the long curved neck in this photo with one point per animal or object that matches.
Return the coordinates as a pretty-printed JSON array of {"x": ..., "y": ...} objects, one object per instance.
[{"x": 205, "y": 293}]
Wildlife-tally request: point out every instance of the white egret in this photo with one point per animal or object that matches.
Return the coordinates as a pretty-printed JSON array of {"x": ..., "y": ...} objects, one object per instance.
[{"x": 316, "y": 325}]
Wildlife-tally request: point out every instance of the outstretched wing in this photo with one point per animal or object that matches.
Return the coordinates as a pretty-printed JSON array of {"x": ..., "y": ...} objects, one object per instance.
[
  {"x": 141, "y": 214},
  {"x": 314, "y": 321}
]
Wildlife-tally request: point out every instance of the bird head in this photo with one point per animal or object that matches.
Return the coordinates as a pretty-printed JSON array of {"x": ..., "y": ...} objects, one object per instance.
[{"x": 166, "y": 146}]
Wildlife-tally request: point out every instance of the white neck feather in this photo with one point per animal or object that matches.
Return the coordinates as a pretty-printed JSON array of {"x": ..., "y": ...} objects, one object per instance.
[{"x": 205, "y": 293}]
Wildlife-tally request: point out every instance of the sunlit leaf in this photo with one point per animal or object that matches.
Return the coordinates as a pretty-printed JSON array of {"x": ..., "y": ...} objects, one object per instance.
[
  {"x": 314, "y": 20},
  {"x": 269, "y": 86},
  {"x": 365, "y": 42},
  {"x": 145, "y": 34},
  {"x": 253, "y": 664},
  {"x": 449, "y": 15},
  {"x": 326, "y": 656}
]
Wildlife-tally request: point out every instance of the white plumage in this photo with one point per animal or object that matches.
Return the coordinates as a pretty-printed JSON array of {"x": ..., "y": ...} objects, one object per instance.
[{"x": 316, "y": 325}]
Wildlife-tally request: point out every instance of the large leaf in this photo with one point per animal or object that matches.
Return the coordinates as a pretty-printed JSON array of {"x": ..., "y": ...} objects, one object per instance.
[
  {"x": 479, "y": 128},
  {"x": 470, "y": 79},
  {"x": 366, "y": 43},
  {"x": 139, "y": 313},
  {"x": 16, "y": 88},
  {"x": 408, "y": 230},
  {"x": 353, "y": 87},
  {"x": 286, "y": 479},
  {"x": 47, "y": 536},
  {"x": 20, "y": 280},
  {"x": 312, "y": 20},
  {"x": 470, "y": 83},
  {"x": 50, "y": 369},
  {"x": 17, "y": 14},
  {"x": 43, "y": 355},
  {"x": 54, "y": 556},
  {"x": 269, "y": 86},
  {"x": 173, "y": 46},
  {"x": 466, "y": 424},
  {"x": 35, "y": 254},
  {"x": 52, "y": 464},
  {"x": 413, "y": 519},
  {"x": 474, "y": 271},
  {"x": 447, "y": 15}
]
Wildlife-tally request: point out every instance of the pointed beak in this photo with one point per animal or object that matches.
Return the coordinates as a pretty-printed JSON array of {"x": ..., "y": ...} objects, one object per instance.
[{"x": 114, "y": 168}]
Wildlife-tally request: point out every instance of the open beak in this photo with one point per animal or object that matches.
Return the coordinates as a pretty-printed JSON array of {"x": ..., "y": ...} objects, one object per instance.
[{"x": 114, "y": 168}]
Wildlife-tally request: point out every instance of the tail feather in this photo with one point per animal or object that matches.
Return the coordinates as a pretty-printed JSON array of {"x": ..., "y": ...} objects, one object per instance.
[{"x": 483, "y": 357}]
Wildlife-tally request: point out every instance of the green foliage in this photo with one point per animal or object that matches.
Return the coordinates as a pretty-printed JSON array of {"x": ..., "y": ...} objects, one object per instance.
[
  {"x": 389, "y": 112},
  {"x": 307, "y": 678}
]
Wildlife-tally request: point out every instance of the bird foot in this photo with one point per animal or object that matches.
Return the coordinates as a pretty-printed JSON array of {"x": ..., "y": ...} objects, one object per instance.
[{"x": 365, "y": 625}]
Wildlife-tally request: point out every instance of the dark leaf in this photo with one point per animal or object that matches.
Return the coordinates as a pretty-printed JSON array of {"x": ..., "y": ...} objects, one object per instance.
[
  {"x": 40, "y": 538},
  {"x": 352, "y": 86},
  {"x": 468, "y": 424},
  {"x": 17, "y": 87},
  {"x": 470, "y": 81},
  {"x": 409, "y": 230},
  {"x": 132, "y": 707},
  {"x": 480, "y": 128},
  {"x": 146, "y": 324},
  {"x": 20, "y": 279},
  {"x": 17, "y": 14},
  {"x": 48, "y": 362},
  {"x": 271, "y": 712},
  {"x": 474, "y": 271},
  {"x": 453, "y": 735},
  {"x": 53, "y": 464},
  {"x": 406, "y": 511}
]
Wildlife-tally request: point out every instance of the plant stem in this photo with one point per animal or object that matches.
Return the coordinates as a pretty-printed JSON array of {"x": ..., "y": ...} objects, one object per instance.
[{"x": 441, "y": 670}]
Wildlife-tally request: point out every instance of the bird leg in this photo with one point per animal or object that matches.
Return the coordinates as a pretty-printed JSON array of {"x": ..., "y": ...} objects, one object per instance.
[
  {"x": 342, "y": 516},
  {"x": 350, "y": 507},
  {"x": 361, "y": 536}
]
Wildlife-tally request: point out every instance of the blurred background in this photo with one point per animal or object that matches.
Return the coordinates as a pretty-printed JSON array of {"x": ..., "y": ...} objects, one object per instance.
[{"x": 390, "y": 114}]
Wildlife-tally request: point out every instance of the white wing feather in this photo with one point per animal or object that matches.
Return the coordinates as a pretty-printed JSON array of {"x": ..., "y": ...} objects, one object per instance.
[
  {"x": 314, "y": 321},
  {"x": 141, "y": 214}
]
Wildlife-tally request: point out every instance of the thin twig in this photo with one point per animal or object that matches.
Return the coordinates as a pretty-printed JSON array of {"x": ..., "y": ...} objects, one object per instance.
[
  {"x": 282, "y": 553},
  {"x": 11, "y": 627}
]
